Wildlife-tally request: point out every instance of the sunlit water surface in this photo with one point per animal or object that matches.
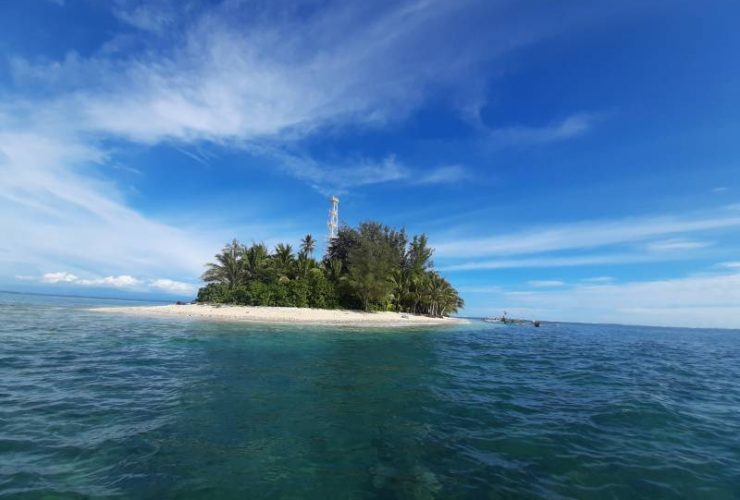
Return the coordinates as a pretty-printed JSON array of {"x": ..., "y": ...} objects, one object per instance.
[{"x": 106, "y": 405}]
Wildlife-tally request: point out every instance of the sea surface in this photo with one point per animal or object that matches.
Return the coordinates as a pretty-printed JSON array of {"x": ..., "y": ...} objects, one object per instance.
[{"x": 100, "y": 405}]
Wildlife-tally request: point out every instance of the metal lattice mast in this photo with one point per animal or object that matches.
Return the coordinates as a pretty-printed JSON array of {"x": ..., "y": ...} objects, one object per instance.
[{"x": 333, "y": 223}]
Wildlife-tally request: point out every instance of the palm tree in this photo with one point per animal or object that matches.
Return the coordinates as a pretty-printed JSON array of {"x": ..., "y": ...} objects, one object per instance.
[
  {"x": 257, "y": 260},
  {"x": 402, "y": 285},
  {"x": 333, "y": 269},
  {"x": 284, "y": 258},
  {"x": 439, "y": 296},
  {"x": 449, "y": 300},
  {"x": 304, "y": 264},
  {"x": 308, "y": 245},
  {"x": 229, "y": 266}
]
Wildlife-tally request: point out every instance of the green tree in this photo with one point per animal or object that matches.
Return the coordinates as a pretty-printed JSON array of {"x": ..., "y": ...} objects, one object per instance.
[
  {"x": 339, "y": 247},
  {"x": 371, "y": 264},
  {"x": 371, "y": 267},
  {"x": 258, "y": 261},
  {"x": 229, "y": 267},
  {"x": 308, "y": 245},
  {"x": 283, "y": 257}
]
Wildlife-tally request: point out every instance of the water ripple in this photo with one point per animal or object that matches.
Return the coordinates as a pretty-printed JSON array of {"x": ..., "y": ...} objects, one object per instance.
[{"x": 94, "y": 405}]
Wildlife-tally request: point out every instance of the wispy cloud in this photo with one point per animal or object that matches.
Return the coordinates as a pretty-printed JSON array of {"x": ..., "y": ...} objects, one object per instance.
[
  {"x": 676, "y": 244},
  {"x": 598, "y": 280},
  {"x": 555, "y": 262},
  {"x": 154, "y": 16},
  {"x": 444, "y": 175},
  {"x": 588, "y": 243},
  {"x": 60, "y": 216},
  {"x": 588, "y": 235},
  {"x": 239, "y": 76},
  {"x": 352, "y": 173},
  {"x": 226, "y": 75},
  {"x": 546, "y": 283},
  {"x": 569, "y": 128},
  {"x": 480, "y": 289}
]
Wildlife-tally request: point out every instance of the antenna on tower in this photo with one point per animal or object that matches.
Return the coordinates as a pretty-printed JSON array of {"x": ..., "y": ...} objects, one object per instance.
[{"x": 333, "y": 223}]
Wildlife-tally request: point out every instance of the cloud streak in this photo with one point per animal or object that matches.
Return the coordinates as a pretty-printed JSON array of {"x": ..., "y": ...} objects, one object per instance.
[
  {"x": 60, "y": 215},
  {"x": 591, "y": 234},
  {"x": 546, "y": 283},
  {"x": 571, "y": 127},
  {"x": 256, "y": 77},
  {"x": 555, "y": 262}
]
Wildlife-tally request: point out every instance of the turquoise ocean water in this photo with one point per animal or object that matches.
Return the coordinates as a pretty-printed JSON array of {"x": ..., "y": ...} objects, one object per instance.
[{"x": 95, "y": 405}]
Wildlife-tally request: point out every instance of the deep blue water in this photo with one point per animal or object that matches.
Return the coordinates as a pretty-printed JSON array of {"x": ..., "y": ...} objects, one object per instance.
[{"x": 107, "y": 405}]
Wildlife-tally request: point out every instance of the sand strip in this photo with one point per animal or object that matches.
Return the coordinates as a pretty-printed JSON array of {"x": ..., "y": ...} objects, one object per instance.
[{"x": 285, "y": 315}]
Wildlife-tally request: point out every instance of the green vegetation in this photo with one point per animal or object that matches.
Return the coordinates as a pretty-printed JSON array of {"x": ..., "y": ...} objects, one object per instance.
[{"x": 371, "y": 267}]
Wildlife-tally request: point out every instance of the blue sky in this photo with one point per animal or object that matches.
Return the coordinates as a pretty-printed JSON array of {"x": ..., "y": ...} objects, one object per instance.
[{"x": 570, "y": 161}]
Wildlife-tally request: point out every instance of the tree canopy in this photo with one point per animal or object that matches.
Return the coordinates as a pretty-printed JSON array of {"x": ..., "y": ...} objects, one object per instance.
[{"x": 371, "y": 267}]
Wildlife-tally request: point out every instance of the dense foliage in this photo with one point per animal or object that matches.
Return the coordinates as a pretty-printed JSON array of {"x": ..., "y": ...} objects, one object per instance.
[{"x": 371, "y": 267}]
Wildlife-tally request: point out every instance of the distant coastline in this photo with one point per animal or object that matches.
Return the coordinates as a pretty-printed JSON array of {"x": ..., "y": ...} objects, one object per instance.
[{"x": 286, "y": 315}]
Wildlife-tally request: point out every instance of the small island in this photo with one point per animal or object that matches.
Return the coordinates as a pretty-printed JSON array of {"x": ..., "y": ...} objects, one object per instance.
[{"x": 371, "y": 275}]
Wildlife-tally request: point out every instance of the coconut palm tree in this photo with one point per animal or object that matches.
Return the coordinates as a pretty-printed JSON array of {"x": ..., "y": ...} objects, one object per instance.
[
  {"x": 449, "y": 300},
  {"x": 229, "y": 267},
  {"x": 284, "y": 258},
  {"x": 333, "y": 269},
  {"x": 304, "y": 264},
  {"x": 257, "y": 260},
  {"x": 308, "y": 245},
  {"x": 402, "y": 280}
]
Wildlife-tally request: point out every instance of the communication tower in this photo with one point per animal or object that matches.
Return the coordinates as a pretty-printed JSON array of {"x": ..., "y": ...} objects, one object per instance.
[{"x": 333, "y": 223}]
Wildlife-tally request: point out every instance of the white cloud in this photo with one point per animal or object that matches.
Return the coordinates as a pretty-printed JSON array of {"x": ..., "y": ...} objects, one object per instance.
[
  {"x": 545, "y": 283},
  {"x": 730, "y": 265},
  {"x": 123, "y": 281},
  {"x": 60, "y": 277},
  {"x": 171, "y": 286}
]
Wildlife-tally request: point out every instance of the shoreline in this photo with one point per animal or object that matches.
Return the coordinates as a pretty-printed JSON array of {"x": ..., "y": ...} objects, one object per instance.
[{"x": 285, "y": 315}]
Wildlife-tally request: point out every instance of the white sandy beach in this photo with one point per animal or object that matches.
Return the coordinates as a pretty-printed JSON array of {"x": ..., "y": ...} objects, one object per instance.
[{"x": 285, "y": 315}]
